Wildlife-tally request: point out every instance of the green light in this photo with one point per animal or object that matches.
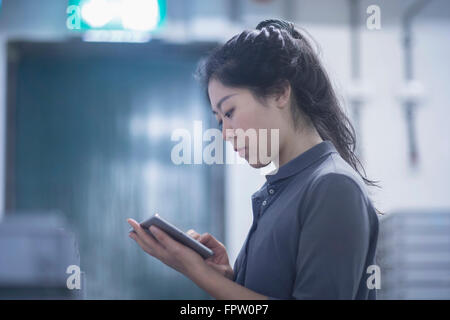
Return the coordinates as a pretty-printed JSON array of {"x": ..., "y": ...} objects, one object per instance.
[{"x": 134, "y": 15}]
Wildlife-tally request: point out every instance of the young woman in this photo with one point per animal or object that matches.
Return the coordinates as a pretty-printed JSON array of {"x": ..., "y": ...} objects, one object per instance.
[{"x": 314, "y": 231}]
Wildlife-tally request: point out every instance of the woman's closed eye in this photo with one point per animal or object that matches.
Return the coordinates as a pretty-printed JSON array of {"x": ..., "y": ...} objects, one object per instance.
[{"x": 227, "y": 114}]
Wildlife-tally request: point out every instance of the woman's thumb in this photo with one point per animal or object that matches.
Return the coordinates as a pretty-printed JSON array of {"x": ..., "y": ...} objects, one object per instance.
[{"x": 193, "y": 234}]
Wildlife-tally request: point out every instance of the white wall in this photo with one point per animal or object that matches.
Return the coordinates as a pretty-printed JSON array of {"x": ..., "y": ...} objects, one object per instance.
[{"x": 385, "y": 132}]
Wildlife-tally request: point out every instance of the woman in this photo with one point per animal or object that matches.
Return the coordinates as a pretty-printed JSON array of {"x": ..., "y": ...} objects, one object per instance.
[{"x": 314, "y": 231}]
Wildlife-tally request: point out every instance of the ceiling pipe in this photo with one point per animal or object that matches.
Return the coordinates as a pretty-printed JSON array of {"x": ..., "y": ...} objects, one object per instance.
[
  {"x": 235, "y": 11},
  {"x": 356, "y": 91},
  {"x": 412, "y": 91}
]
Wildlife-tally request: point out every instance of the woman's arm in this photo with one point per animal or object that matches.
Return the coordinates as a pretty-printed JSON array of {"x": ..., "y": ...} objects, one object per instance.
[
  {"x": 334, "y": 241},
  {"x": 190, "y": 263},
  {"x": 221, "y": 287}
]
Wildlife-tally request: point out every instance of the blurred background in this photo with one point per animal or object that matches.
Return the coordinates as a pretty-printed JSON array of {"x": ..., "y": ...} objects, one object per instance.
[{"x": 91, "y": 91}]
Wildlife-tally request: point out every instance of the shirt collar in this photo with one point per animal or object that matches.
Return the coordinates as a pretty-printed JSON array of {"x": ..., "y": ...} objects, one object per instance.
[{"x": 302, "y": 161}]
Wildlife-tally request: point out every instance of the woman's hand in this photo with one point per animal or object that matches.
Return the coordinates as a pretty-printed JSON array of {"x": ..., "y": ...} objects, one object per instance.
[
  {"x": 165, "y": 248},
  {"x": 212, "y": 275},
  {"x": 219, "y": 261}
]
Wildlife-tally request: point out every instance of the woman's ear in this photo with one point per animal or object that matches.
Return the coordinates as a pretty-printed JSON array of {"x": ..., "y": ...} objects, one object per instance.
[{"x": 283, "y": 97}]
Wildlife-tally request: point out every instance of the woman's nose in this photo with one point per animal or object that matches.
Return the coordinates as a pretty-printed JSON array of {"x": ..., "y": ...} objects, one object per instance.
[{"x": 227, "y": 132}]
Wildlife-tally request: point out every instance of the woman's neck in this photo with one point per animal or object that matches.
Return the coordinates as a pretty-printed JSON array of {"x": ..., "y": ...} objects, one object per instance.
[{"x": 297, "y": 143}]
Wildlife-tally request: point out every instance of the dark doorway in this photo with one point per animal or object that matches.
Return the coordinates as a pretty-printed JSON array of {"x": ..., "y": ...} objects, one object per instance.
[{"x": 89, "y": 134}]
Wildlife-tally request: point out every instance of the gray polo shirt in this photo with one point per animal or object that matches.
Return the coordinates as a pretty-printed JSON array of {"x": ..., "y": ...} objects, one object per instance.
[{"x": 314, "y": 231}]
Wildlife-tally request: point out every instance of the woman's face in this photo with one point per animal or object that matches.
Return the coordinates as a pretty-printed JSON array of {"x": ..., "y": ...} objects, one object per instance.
[{"x": 237, "y": 108}]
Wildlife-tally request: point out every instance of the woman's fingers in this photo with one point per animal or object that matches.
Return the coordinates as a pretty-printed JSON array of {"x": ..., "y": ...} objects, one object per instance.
[
  {"x": 133, "y": 223},
  {"x": 163, "y": 247},
  {"x": 143, "y": 245},
  {"x": 138, "y": 230},
  {"x": 220, "y": 253},
  {"x": 167, "y": 241},
  {"x": 209, "y": 241},
  {"x": 145, "y": 241},
  {"x": 206, "y": 239},
  {"x": 193, "y": 234}
]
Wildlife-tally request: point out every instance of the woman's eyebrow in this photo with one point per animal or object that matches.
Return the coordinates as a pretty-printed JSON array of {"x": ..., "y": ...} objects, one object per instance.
[{"x": 219, "y": 104}]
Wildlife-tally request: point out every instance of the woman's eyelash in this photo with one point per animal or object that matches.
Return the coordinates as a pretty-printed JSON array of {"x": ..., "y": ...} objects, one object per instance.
[{"x": 229, "y": 113}]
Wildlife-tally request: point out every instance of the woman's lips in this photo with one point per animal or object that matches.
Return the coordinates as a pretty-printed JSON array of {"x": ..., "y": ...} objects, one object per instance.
[{"x": 241, "y": 151}]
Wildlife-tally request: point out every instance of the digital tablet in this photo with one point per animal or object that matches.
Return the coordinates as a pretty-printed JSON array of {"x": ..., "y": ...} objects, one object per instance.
[{"x": 176, "y": 234}]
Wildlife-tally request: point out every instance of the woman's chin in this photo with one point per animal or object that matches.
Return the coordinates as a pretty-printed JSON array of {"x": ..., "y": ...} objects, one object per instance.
[
  {"x": 258, "y": 165},
  {"x": 255, "y": 162}
]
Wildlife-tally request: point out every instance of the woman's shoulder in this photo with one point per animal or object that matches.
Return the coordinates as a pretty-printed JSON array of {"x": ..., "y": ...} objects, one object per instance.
[
  {"x": 334, "y": 185},
  {"x": 336, "y": 172}
]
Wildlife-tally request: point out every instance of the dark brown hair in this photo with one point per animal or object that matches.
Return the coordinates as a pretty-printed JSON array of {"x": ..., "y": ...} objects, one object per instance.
[{"x": 263, "y": 59}]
